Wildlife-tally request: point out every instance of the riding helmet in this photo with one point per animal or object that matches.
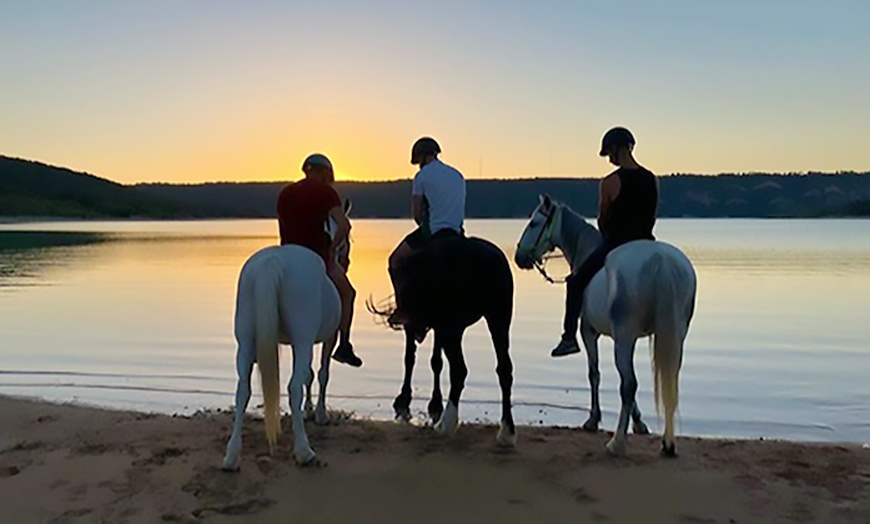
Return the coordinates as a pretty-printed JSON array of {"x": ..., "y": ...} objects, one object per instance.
[
  {"x": 616, "y": 137},
  {"x": 422, "y": 148},
  {"x": 316, "y": 159}
]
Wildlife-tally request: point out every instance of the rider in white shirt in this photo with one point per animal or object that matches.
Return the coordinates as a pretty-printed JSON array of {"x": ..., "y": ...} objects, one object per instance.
[{"x": 438, "y": 207}]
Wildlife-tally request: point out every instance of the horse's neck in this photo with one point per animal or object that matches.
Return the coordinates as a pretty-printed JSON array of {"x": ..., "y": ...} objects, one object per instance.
[
  {"x": 577, "y": 239},
  {"x": 342, "y": 249}
]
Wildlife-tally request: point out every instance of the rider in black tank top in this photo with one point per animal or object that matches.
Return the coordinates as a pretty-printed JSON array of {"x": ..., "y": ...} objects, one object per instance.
[
  {"x": 632, "y": 215},
  {"x": 629, "y": 200}
]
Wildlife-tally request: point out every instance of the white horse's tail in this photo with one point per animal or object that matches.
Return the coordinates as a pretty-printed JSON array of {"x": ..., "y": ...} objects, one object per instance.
[
  {"x": 267, "y": 328},
  {"x": 667, "y": 336}
]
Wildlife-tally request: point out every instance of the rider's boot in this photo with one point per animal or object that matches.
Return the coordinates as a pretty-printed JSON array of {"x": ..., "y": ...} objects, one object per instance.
[
  {"x": 344, "y": 354},
  {"x": 567, "y": 346}
]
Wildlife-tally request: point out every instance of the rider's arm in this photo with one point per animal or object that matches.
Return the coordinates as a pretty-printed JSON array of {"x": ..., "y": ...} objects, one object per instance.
[
  {"x": 418, "y": 206},
  {"x": 608, "y": 190},
  {"x": 342, "y": 223}
]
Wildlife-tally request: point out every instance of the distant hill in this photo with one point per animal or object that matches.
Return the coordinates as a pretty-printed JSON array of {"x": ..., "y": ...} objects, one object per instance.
[
  {"x": 745, "y": 195},
  {"x": 37, "y": 189}
]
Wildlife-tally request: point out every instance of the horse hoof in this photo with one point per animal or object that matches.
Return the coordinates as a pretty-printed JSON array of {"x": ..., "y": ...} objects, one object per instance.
[
  {"x": 639, "y": 428},
  {"x": 436, "y": 409},
  {"x": 308, "y": 412},
  {"x": 506, "y": 436},
  {"x": 231, "y": 464},
  {"x": 669, "y": 451},
  {"x": 449, "y": 422},
  {"x": 616, "y": 448},
  {"x": 591, "y": 426},
  {"x": 314, "y": 462},
  {"x": 403, "y": 414},
  {"x": 402, "y": 406},
  {"x": 305, "y": 457},
  {"x": 321, "y": 417}
]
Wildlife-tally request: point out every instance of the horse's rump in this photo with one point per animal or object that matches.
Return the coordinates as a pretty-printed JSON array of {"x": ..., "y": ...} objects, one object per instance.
[
  {"x": 627, "y": 285},
  {"x": 455, "y": 277}
]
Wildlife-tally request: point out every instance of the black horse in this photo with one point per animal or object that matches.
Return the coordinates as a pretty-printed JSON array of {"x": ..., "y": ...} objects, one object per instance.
[{"x": 446, "y": 287}]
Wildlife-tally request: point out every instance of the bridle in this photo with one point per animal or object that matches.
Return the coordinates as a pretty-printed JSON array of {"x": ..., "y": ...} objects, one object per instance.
[{"x": 546, "y": 236}]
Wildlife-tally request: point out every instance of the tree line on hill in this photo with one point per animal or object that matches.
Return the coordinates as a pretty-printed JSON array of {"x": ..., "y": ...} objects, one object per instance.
[{"x": 36, "y": 189}]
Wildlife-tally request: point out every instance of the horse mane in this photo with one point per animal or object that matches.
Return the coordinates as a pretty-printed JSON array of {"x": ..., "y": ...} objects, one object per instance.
[{"x": 579, "y": 237}]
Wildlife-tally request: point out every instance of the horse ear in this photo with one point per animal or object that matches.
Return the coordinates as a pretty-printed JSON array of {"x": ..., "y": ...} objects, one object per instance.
[
  {"x": 348, "y": 205},
  {"x": 545, "y": 200}
]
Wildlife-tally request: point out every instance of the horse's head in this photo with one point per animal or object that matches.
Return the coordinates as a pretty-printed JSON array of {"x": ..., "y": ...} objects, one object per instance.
[{"x": 537, "y": 238}]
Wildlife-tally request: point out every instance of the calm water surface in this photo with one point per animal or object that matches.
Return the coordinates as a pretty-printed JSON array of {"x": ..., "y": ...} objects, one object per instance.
[{"x": 139, "y": 315}]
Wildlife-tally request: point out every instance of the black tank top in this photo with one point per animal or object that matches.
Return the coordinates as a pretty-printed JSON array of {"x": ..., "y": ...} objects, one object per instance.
[{"x": 633, "y": 214}]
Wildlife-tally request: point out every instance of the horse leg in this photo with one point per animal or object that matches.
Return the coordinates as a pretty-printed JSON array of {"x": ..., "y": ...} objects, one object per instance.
[
  {"x": 638, "y": 427},
  {"x": 321, "y": 415},
  {"x": 449, "y": 421},
  {"x": 627, "y": 390},
  {"x": 499, "y": 330},
  {"x": 244, "y": 367},
  {"x": 668, "y": 384},
  {"x": 308, "y": 409},
  {"x": 302, "y": 353},
  {"x": 590, "y": 340},
  {"x": 402, "y": 404},
  {"x": 436, "y": 404}
]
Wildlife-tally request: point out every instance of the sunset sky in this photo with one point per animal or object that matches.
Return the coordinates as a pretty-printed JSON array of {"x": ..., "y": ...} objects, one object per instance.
[{"x": 191, "y": 91}]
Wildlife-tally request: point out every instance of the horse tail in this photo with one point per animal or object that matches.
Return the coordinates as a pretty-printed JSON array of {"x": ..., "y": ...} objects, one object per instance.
[
  {"x": 266, "y": 326},
  {"x": 667, "y": 336}
]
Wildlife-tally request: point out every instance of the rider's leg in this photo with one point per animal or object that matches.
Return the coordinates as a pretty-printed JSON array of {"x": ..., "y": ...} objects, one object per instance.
[
  {"x": 399, "y": 254},
  {"x": 348, "y": 295},
  {"x": 576, "y": 287},
  {"x": 344, "y": 352}
]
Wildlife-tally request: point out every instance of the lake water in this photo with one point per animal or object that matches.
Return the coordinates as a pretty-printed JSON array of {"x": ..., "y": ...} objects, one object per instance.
[{"x": 139, "y": 315}]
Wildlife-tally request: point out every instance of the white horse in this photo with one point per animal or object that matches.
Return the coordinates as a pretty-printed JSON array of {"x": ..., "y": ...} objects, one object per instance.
[
  {"x": 647, "y": 288},
  {"x": 284, "y": 295}
]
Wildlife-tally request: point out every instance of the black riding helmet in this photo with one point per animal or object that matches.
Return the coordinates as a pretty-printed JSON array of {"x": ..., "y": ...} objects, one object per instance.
[
  {"x": 422, "y": 148},
  {"x": 616, "y": 137},
  {"x": 318, "y": 160}
]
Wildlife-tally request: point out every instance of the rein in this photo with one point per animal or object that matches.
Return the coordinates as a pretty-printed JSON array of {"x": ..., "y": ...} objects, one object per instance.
[{"x": 541, "y": 266}]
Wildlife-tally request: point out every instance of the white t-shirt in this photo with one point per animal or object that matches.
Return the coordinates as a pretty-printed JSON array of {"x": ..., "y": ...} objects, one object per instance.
[{"x": 444, "y": 189}]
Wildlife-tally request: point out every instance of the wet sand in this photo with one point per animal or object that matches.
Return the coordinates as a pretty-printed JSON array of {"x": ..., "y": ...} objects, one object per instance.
[{"x": 69, "y": 464}]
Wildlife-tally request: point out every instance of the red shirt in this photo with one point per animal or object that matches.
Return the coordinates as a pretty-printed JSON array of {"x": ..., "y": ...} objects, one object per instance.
[{"x": 303, "y": 209}]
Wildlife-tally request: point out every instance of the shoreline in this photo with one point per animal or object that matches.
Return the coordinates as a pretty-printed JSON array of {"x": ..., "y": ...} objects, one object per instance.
[
  {"x": 71, "y": 463},
  {"x": 12, "y": 220}
]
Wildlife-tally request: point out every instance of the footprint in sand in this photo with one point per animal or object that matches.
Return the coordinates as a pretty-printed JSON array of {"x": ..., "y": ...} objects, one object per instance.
[
  {"x": 10, "y": 471},
  {"x": 582, "y": 496},
  {"x": 247, "y": 507},
  {"x": 159, "y": 457},
  {"x": 692, "y": 519}
]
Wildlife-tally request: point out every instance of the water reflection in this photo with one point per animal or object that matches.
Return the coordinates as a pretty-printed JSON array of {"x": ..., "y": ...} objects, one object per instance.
[
  {"x": 26, "y": 256},
  {"x": 140, "y": 315}
]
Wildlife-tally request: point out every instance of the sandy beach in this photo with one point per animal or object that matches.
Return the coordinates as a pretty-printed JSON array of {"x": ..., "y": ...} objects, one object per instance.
[{"x": 67, "y": 464}]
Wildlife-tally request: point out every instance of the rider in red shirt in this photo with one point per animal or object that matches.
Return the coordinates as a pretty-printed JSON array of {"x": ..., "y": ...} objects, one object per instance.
[{"x": 303, "y": 210}]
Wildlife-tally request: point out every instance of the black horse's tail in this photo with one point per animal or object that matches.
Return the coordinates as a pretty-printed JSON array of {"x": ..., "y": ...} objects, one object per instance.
[{"x": 383, "y": 310}]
